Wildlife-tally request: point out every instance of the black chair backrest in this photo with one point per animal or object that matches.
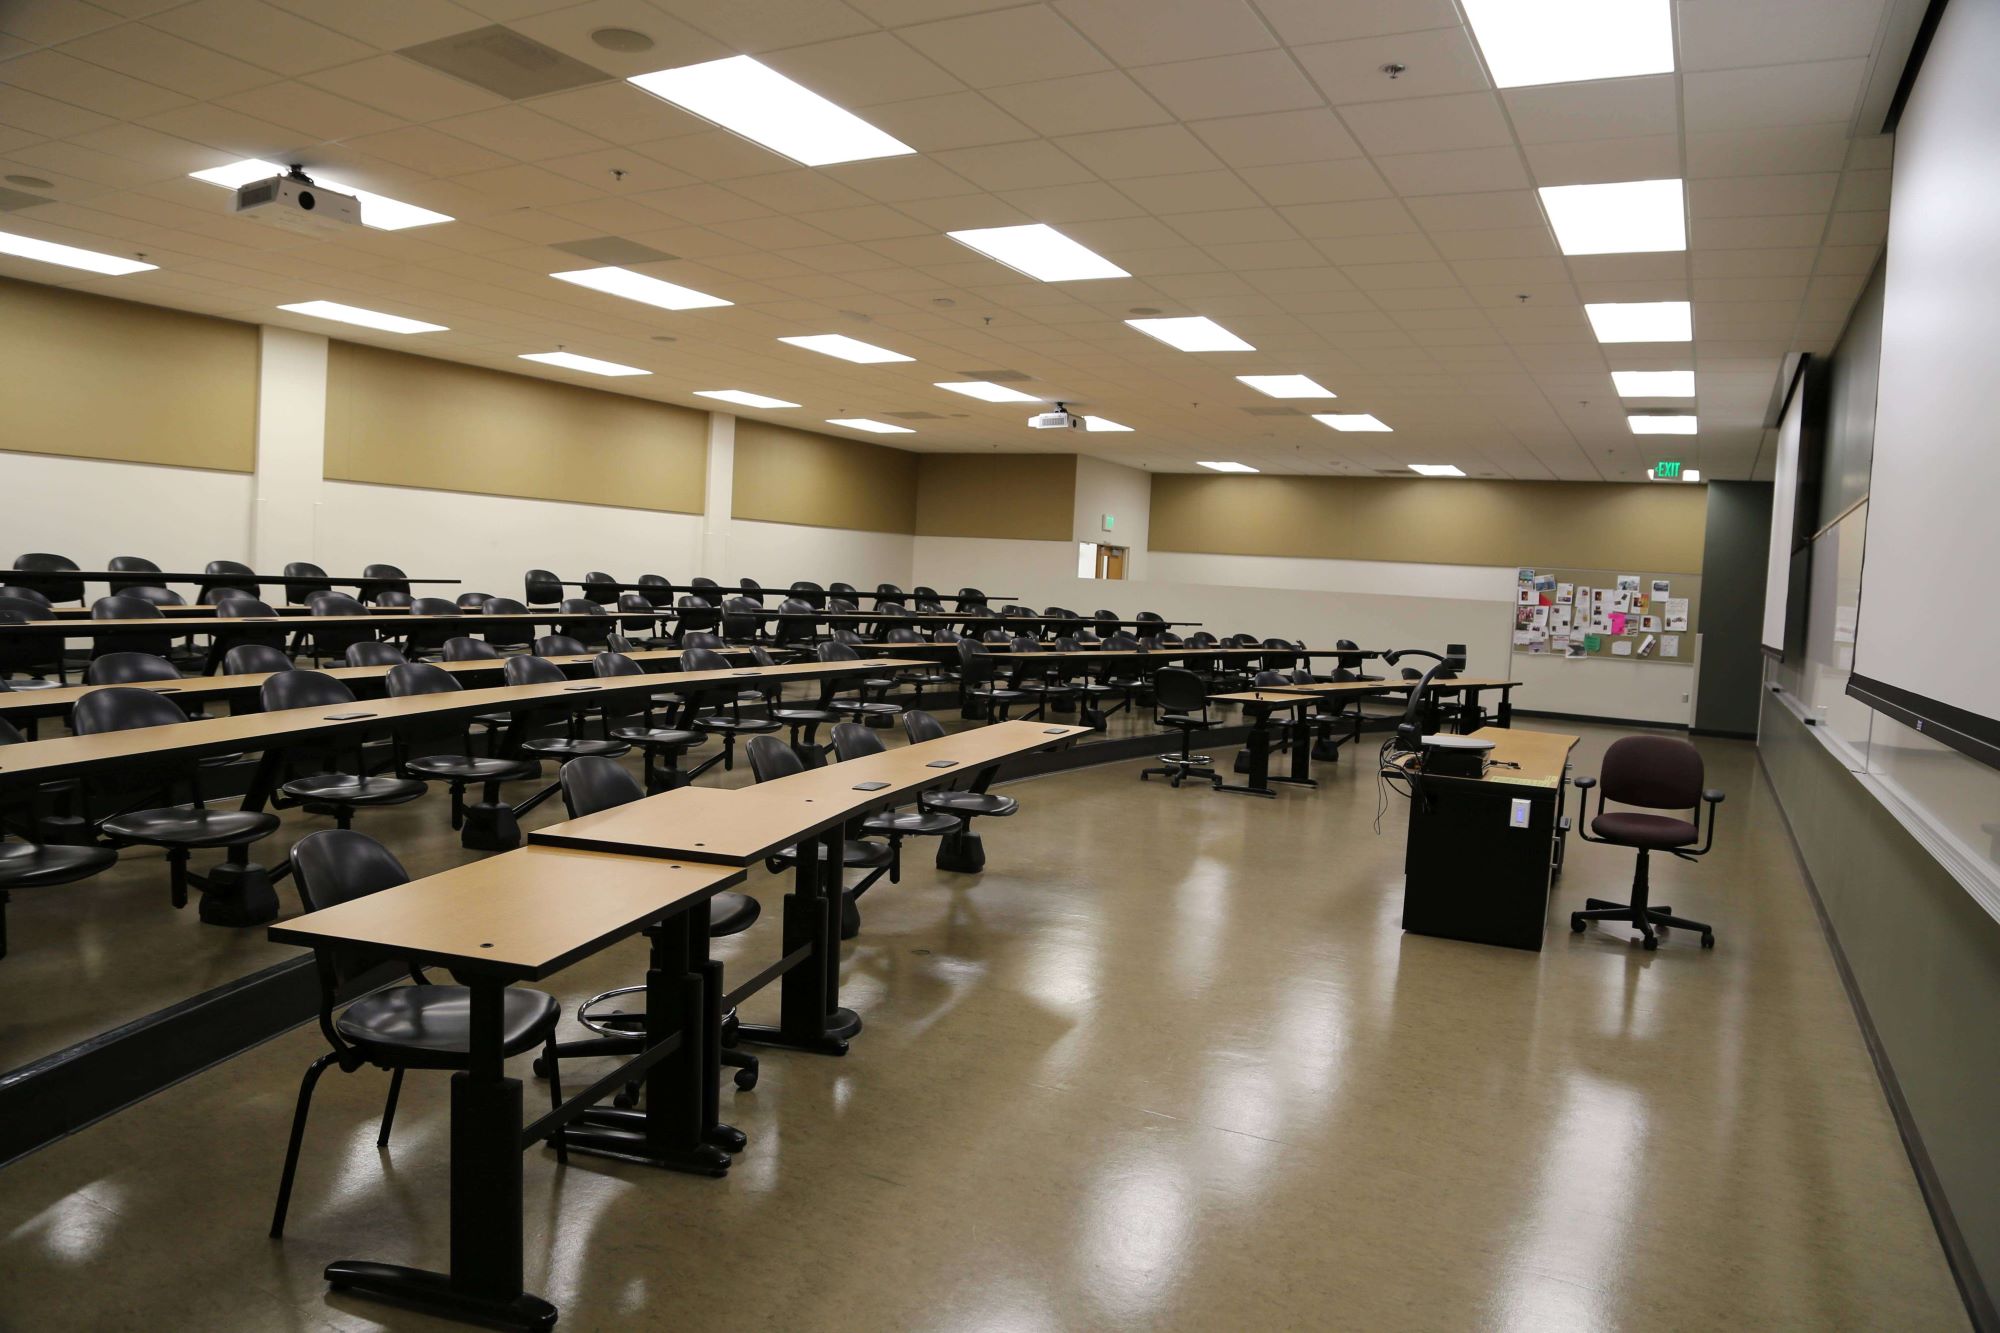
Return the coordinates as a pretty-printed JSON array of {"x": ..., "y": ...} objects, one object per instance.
[
  {"x": 391, "y": 579},
  {"x": 656, "y": 587},
  {"x": 335, "y": 604},
  {"x": 419, "y": 678},
  {"x": 752, "y": 589},
  {"x": 464, "y": 648},
  {"x": 920, "y": 726},
  {"x": 391, "y": 597},
  {"x": 852, "y": 740},
  {"x": 928, "y": 606},
  {"x": 808, "y": 591},
  {"x": 433, "y": 606},
  {"x": 1179, "y": 690},
  {"x": 133, "y": 564},
  {"x": 124, "y": 606},
  {"x": 502, "y": 606},
  {"x": 697, "y": 612},
  {"x": 971, "y": 595},
  {"x": 703, "y": 659},
  {"x": 557, "y": 645},
  {"x": 847, "y": 590},
  {"x": 220, "y": 574},
  {"x": 157, "y": 596},
  {"x": 532, "y": 671},
  {"x": 592, "y": 782},
  {"x": 702, "y": 639},
  {"x": 373, "y": 652},
  {"x": 772, "y": 758},
  {"x": 541, "y": 587},
  {"x": 1656, "y": 772},
  {"x": 245, "y": 607},
  {"x": 55, "y": 589},
  {"x": 795, "y": 620},
  {"x": 598, "y": 587},
  {"x": 472, "y": 601},
  {"x": 128, "y": 669},
  {"x": 925, "y": 592},
  {"x": 255, "y": 659},
  {"x": 335, "y": 866},
  {"x": 620, "y": 643},
  {"x": 303, "y": 689},
  {"x": 1348, "y": 661},
  {"x": 836, "y": 651},
  {"x": 9, "y": 733},
  {"x": 615, "y": 664},
  {"x": 901, "y": 634},
  {"x": 840, "y": 604},
  {"x": 741, "y": 618},
  {"x": 633, "y": 601},
  {"x": 707, "y": 589},
  {"x": 123, "y": 708},
  {"x": 18, "y": 593},
  {"x": 302, "y": 579},
  {"x": 506, "y": 636}
]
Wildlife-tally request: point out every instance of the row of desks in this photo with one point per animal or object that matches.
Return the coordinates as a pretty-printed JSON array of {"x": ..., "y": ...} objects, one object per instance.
[
  {"x": 77, "y": 622},
  {"x": 650, "y": 866}
]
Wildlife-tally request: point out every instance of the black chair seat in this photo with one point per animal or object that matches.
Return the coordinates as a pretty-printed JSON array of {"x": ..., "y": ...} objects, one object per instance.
[
  {"x": 467, "y": 768},
  {"x": 574, "y": 747},
  {"x": 868, "y": 708},
  {"x": 438, "y": 1019},
  {"x": 191, "y": 826},
  {"x": 27, "y": 865},
  {"x": 911, "y": 823},
  {"x": 979, "y": 803},
  {"x": 740, "y": 726},
  {"x": 731, "y": 913},
  {"x": 804, "y": 715},
  {"x": 643, "y": 735},
  {"x": 347, "y": 789},
  {"x": 33, "y": 683},
  {"x": 999, "y": 693},
  {"x": 1637, "y": 830},
  {"x": 855, "y": 854}
]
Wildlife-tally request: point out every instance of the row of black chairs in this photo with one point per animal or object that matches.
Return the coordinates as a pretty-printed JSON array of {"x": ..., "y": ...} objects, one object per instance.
[{"x": 50, "y": 574}]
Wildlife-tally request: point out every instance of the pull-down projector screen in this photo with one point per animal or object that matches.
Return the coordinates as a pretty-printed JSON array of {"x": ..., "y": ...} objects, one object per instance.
[
  {"x": 1784, "y": 517},
  {"x": 1926, "y": 650}
]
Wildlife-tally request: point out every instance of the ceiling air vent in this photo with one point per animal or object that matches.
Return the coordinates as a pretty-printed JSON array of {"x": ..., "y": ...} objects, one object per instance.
[
  {"x": 613, "y": 250},
  {"x": 504, "y": 63},
  {"x": 997, "y": 376}
]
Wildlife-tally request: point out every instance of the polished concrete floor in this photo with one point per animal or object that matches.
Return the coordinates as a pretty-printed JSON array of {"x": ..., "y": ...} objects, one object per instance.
[{"x": 1170, "y": 1063}]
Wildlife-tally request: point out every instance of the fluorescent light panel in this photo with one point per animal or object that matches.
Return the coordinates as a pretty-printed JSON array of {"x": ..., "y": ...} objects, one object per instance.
[
  {"x": 1530, "y": 42},
  {"x": 1662, "y": 425},
  {"x": 1641, "y": 321},
  {"x": 987, "y": 391},
  {"x": 868, "y": 424},
  {"x": 48, "y": 252},
  {"x": 1040, "y": 251},
  {"x": 638, "y": 287},
  {"x": 1102, "y": 423},
  {"x": 377, "y": 210},
  {"x": 1654, "y": 383},
  {"x": 1288, "y": 386},
  {"x": 749, "y": 98},
  {"x": 367, "y": 319},
  {"x": 846, "y": 348},
  {"x": 1192, "y": 333},
  {"x": 1628, "y": 217},
  {"x": 589, "y": 365},
  {"x": 1228, "y": 467},
  {"x": 1349, "y": 421},
  {"x": 1435, "y": 470},
  {"x": 743, "y": 397}
]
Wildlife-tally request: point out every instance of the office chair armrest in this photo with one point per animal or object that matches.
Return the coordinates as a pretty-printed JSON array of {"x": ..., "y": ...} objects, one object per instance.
[
  {"x": 1584, "y": 785},
  {"x": 1714, "y": 798}
]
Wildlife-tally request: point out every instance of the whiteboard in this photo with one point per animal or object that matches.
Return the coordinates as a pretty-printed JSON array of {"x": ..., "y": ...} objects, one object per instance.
[{"x": 1784, "y": 513}]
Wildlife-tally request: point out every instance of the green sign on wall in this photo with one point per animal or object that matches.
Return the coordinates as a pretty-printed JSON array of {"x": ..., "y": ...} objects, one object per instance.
[{"x": 1667, "y": 469}]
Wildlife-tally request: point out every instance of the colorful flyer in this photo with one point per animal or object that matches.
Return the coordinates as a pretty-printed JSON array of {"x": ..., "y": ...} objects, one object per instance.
[
  {"x": 1677, "y": 613},
  {"x": 1617, "y": 622}
]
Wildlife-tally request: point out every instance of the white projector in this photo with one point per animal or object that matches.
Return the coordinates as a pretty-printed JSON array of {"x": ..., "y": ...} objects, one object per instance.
[
  {"x": 1057, "y": 420},
  {"x": 295, "y": 203}
]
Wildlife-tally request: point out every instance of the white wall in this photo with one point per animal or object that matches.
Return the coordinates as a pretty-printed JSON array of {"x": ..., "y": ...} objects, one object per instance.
[
  {"x": 1127, "y": 495},
  {"x": 776, "y": 554},
  {"x": 91, "y": 510}
]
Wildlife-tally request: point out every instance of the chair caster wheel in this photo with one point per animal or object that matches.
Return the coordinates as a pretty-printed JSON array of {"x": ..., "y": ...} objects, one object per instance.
[
  {"x": 746, "y": 1079},
  {"x": 1708, "y": 941},
  {"x": 625, "y": 1098},
  {"x": 1650, "y": 942},
  {"x": 1576, "y": 924},
  {"x": 541, "y": 1067}
]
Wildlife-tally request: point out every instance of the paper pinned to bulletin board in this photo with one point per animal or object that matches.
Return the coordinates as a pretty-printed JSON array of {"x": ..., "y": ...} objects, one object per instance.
[{"x": 1583, "y": 614}]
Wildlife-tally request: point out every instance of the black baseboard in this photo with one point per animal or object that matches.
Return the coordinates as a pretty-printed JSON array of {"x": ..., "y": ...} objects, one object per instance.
[
  {"x": 1721, "y": 734},
  {"x": 1602, "y": 721},
  {"x": 1958, "y": 1255}
]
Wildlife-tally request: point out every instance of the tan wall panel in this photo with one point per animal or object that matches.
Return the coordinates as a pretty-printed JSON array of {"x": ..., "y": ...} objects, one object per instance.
[
  {"x": 822, "y": 481},
  {"x": 91, "y": 377},
  {"x": 1457, "y": 522},
  {"x": 1028, "y": 497},
  {"x": 397, "y": 420}
]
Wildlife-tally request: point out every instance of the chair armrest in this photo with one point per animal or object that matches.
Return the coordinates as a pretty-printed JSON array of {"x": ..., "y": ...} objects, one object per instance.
[
  {"x": 1583, "y": 784},
  {"x": 1582, "y": 825},
  {"x": 1713, "y": 796}
]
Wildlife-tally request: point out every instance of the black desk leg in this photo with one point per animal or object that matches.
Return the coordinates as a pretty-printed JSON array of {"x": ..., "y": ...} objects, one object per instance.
[
  {"x": 672, "y": 1131},
  {"x": 1304, "y": 726},
  {"x": 809, "y": 1013},
  {"x": 1258, "y": 750},
  {"x": 1503, "y": 716},
  {"x": 726, "y": 1137},
  {"x": 484, "y": 1285}
]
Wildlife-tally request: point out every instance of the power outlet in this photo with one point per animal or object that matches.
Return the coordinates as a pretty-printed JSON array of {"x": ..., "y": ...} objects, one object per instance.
[{"x": 1517, "y": 815}]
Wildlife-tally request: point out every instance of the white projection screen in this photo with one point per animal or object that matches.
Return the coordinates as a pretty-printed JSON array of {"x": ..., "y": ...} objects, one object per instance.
[
  {"x": 1925, "y": 649},
  {"x": 1784, "y": 516}
]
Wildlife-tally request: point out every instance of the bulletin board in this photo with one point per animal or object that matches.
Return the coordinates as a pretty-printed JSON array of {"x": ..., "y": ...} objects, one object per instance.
[{"x": 1640, "y": 616}]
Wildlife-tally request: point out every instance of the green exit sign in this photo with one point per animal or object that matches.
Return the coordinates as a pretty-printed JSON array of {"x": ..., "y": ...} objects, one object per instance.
[{"x": 1667, "y": 470}]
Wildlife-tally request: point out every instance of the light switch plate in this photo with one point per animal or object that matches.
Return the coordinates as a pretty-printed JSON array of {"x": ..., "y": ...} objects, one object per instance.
[{"x": 1517, "y": 816}]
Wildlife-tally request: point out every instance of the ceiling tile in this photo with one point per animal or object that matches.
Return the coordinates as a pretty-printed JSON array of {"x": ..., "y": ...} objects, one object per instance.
[
  {"x": 1151, "y": 32},
  {"x": 758, "y": 25},
  {"x": 1014, "y": 166},
  {"x": 1759, "y": 196},
  {"x": 1771, "y": 95},
  {"x": 1729, "y": 34},
  {"x": 1755, "y": 233},
  {"x": 308, "y": 110},
  {"x": 1278, "y": 138},
  {"x": 1158, "y": 150},
  {"x": 1316, "y": 182},
  {"x": 1192, "y": 192},
  {"x": 389, "y": 24},
  {"x": 1369, "y": 217},
  {"x": 1606, "y": 109},
  {"x": 955, "y": 120},
  {"x": 52, "y": 22},
  {"x": 1303, "y": 21},
  {"x": 864, "y": 71},
  {"x": 1015, "y": 46},
  {"x": 404, "y": 88},
  {"x": 53, "y": 74},
  {"x": 1428, "y": 124},
  {"x": 1437, "y": 61},
  {"x": 1238, "y": 85},
  {"x": 1477, "y": 212},
  {"x": 1081, "y": 103},
  {"x": 1457, "y": 172},
  {"x": 1654, "y": 157}
]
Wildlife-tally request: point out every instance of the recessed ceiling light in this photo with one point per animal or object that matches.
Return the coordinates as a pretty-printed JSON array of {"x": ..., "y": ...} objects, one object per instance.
[
  {"x": 589, "y": 365},
  {"x": 743, "y": 396},
  {"x": 1641, "y": 321},
  {"x": 1192, "y": 333},
  {"x": 1690, "y": 474},
  {"x": 1529, "y": 42},
  {"x": 1039, "y": 251},
  {"x": 1654, "y": 383},
  {"x": 1288, "y": 386},
  {"x": 1626, "y": 217},
  {"x": 1228, "y": 467},
  {"x": 638, "y": 287},
  {"x": 1435, "y": 470},
  {"x": 48, "y": 252},
  {"x": 864, "y": 423},
  {"x": 377, "y": 210},
  {"x": 1662, "y": 425},
  {"x": 846, "y": 348},
  {"x": 987, "y": 391},
  {"x": 1102, "y": 423},
  {"x": 1349, "y": 421},
  {"x": 749, "y": 98},
  {"x": 368, "y": 319}
]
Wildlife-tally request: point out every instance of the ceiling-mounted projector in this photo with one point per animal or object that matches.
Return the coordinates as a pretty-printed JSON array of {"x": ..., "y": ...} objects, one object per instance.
[
  {"x": 292, "y": 201},
  {"x": 1060, "y": 419}
]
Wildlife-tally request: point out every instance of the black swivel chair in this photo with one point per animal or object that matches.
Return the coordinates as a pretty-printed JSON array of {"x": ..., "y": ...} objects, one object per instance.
[
  {"x": 136, "y": 565},
  {"x": 810, "y": 593},
  {"x": 303, "y": 578},
  {"x": 541, "y": 587},
  {"x": 35, "y": 659},
  {"x": 33, "y": 865},
  {"x": 124, "y": 606},
  {"x": 557, "y": 645},
  {"x": 373, "y": 652},
  {"x": 961, "y": 850},
  {"x": 504, "y": 635},
  {"x": 226, "y": 575},
  {"x": 440, "y": 750},
  {"x": 633, "y": 721},
  {"x": 235, "y": 893},
  {"x": 979, "y": 686},
  {"x": 419, "y": 1026},
  {"x": 742, "y": 620},
  {"x": 43, "y": 570},
  {"x": 244, "y": 607},
  {"x": 257, "y": 659},
  {"x": 382, "y": 579},
  {"x": 852, "y": 740},
  {"x": 697, "y": 616},
  {"x": 326, "y": 789},
  {"x": 1654, "y": 773},
  {"x": 588, "y": 786},
  {"x": 333, "y": 640},
  {"x": 648, "y": 630},
  {"x": 572, "y": 743},
  {"x": 472, "y": 601},
  {"x": 584, "y": 620},
  {"x": 465, "y": 648},
  {"x": 427, "y": 640},
  {"x": 876, "y": 711},
  {"x": 707, "y": 589},
  {"x": 656, "y": 589},
  {"x": 600, "y": 587},
  {"x": 771, "y": 758},
  {"x": 1180, "y": 701},
  {"x": 724, "y": 717}
]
